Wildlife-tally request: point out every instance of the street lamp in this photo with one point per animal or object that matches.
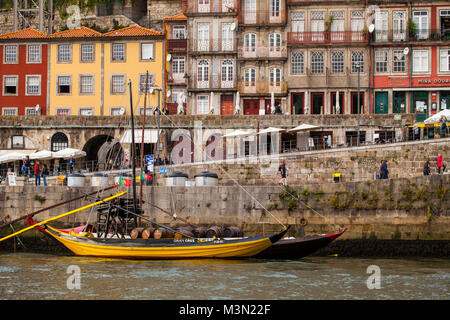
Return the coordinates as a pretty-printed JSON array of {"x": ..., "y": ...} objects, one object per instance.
[{"x": 358, "y": 65}]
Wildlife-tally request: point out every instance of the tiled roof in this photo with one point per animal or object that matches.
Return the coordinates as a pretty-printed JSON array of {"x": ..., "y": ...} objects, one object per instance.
[
  {"x": 132, "y": 31},
  {"x": 177, "y": 17},
  {"x": 82, "y": 32},
  {"x": 28, "y": 33}
]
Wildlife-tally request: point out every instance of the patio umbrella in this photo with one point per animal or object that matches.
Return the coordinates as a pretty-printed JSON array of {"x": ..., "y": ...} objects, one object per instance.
[
  {"x": 238, "y": 133},
  {"x": 270, "y": 130},
  {"x": 211, "y": 104},
  {"x": 238, "y": 106},
  {"x": 42, "y": 155},
  {"x": 338, "y": 107},
  {"x": 180, "y": 98},
  {"x": 437, "y": 117},
  {"x": 12, "y": 156},
  {"x": 304, "y": 127},
  {"x": 66, "y": 153},
  {"x": 272, "y": 103}
]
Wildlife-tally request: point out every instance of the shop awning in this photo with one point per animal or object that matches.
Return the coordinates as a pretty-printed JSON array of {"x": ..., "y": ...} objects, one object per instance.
[
  {"x": 150, "y": 136},
  {"x": 270, "y": 130},
  {"x": 304, "y": 127},
  {"x": 66, "y": 153},
  {"x": 14, "y": 155}
]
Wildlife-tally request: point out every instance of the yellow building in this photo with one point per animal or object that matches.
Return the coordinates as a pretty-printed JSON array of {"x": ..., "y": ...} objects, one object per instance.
[{"x": 89, "y": 71}]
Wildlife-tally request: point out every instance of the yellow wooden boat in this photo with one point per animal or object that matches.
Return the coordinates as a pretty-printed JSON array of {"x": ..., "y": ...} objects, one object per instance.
[{"x": 162, "y": 248}]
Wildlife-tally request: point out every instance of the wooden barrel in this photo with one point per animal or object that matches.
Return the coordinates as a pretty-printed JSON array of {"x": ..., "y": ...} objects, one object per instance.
[
  {"x": 158, "y": 234},
  {"x": 183, "y": 233},
  {"x": 200, "y": 232},
  {"x": 233, "y": 232},
  {"x": 148, "y": 233},
  {"x": 215, "y": 231},
  {"x": 136, "y": 233},
  {"x": 162, "y": 233}
]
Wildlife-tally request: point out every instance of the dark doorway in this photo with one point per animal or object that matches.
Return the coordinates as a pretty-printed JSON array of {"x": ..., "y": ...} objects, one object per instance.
[
  {"x": 317, "y": 102},
  {"x": 297, "y": 103},
  {"x": 355, "y": 102},
  {"x": 251, "y": 107}
]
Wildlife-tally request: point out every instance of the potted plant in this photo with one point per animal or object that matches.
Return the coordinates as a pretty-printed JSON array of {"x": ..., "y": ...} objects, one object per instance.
[{"x": 412, "y": 29}]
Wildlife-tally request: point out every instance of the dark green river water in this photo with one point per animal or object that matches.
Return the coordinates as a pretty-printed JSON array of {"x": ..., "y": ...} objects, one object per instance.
[{"x": 44, "y": 276}]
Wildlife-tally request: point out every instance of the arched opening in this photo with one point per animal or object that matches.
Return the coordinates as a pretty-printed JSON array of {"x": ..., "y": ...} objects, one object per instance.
[
  {"x": 103, "y": 152},
  {"x": 59, "y": 141}
]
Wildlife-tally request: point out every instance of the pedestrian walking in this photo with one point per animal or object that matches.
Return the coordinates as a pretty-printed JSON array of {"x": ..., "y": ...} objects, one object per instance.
[
  {"x": 443, "y": 121},
  {"x": 71, "y": 163},
  {"x": 426, "y": 169},
  {"x": 283, "y": 171},
  {"x": 416, "y": 131},
  {"x": 440, "y": 164},
  {"x": 37, "y": 174},
  {"x": 28, "y": 166},
  {"x": 45, "y": 173},
  {"x": 384, "y": 172}
]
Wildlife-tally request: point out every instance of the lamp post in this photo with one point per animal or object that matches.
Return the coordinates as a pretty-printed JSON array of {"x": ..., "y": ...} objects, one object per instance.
[{"x": 358, "y": 65}]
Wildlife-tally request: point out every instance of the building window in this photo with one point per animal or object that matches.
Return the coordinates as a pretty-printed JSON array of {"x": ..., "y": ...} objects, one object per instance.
[
  {"x": 398, "y": 61},
  {"x": 148, "y": 111},
  {"x": 116, "y": 111},
  {"x": 86, "y": 111},
  {"x": 250, "y": 77},
  {"x": 420, "y": 18},
  {"x": 59, "y": 142},
  {"x": 87, "y": 53},
  {"x": 86, "y": 84},
  {"x": 17, "y": 142},
  {"x": 118, "y": 84},
  {"x": 33, "y": 85},
  {"x": 203, "y": 70},
  {"x": 64, "y": 84},
  {"x": 227, "y": 72},
  {"x": 118, "y": 52},
  {"x": 10, "y": 85},
  {"x": 175, "y": 94},
  {"x": 381, "y": 61},
  {"x": 399, "y": 25},
  {"x": 203, "y": 37},
  {"x": 298, "y": 62},
  {"x": 147, "y": 51},
  {"x": 275, "y": 8},
  {"x": 357, "y": 61},
  {"x": 274, "y": 42},
  {"x": 33, "y": 53},
  {"x": 202, "y": 104},
  {"x": 227, "y": 37},
  {"x": 63, "y": 111},
  {"x": 337, "y": 62},
  {"x": 178, "y": 64},
  {"x": 32, "y": 111},
  {"x": 420, "y": 60},
  {"x": 381, "y": 25},
  {"x": 444, "y": 60},
  {"x": 10, "y": 54},
  {"x": 9, "y": 111},
  {"x": 179, "y": 32},
  {"x": 143, "y": 85},
  {"x": 275, "y": 76},
  {"x": 316, "y": 62},
  {"x": 64, "y": 53},
  {"x": 357, "y": 25}
]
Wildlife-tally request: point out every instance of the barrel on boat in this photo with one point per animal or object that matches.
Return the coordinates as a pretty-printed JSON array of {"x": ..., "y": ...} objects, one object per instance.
[
  {"x": 176, "y": 178},
  {"x": 233, "y": 232},
  {"x": 76, "y": 179},
  {"x": 147, "y": 233},
  {"x": 200, "y": 232},
  {"x": 136, "y": 233},
  {"x": 99, "y": 179},
  {"x": 162, "y": 233},
  {"x": 215, "y": 231},
  {"x": 183, "y": 233},
  {"x": 206, "y": 179}
]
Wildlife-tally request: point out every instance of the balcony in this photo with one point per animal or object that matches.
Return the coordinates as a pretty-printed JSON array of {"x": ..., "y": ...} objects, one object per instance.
[
  {"x": 212, "y": 83},
  {"x": 173, "y": 107},
  {"x": 262, "y": 87},
  {"x": 258, "y": 17},
  {"x": 383, "y": 36},
  {"x": 176, "y": 78},
  {"x": 293, "y": 2},
  {"x": 212, "y": 6},
  {"x": 262, "y": 53},
  {"x": 328, "y": 37},
  {"x": 212, "y": 46},
  {"x": 177, "y": 45}
]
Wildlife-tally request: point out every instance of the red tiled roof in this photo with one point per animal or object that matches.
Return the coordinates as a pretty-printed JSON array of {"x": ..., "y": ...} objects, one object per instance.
[
  {"x": 82, "y": 32},
  {"x": 28, "y": 33},
  {"x": 177, "y": 17},
  {"x": 132, "y": 31}
]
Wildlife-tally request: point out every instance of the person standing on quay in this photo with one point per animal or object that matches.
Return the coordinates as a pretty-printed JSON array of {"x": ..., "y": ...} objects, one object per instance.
[
  {"x": 426, "y": 169},
  {"x": 71, "y": 163},
  {"x": 45, "y": 173},
  {"x": 283, "y": 170},
  {"x": 384, "y": 170},
  {"x": 443, "y": 126},
  {"x": 440, "y": 164},
  {"x": 37, "y": 174}
]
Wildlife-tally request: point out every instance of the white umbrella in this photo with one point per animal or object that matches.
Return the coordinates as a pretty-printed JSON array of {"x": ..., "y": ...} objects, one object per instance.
[
  {"x": 66, "y": 153},
  {"x": 272, "y": 103},
  {"x": 437, "y": 117},
  {"x": 304, "y": 127},
  {"x": 238, "y": 102},
  {"x": 12, "y": 156},
  {"x": 238, "y": 133},
  {"x": 180, "y": 101},
  {"x": 211, "y": 103},
  {"x": 338, "y": 107},
  {"x": 270, "y": 130},
  {"x": 306, "y": 109},
  {"x": 42, "y": 155}
]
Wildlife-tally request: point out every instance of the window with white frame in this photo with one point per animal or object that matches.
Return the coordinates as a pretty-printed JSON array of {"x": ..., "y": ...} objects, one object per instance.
[
  {"x": 274, "y": 42},
  {"x": 399, "y": 25},
  {"x": 398, "y": 61},
  {"x": 420, "y": 18},
  {"x": 17, "y": 142},
  {"x": 64, "y": 84},
  {"x": 317, "y": 25},
  {"x": 148, "y": 111},
  {"x": 33, "y": 85},
  {"x": 11, "y": 54},
  {"x": 87, "y": 53},
  {"x": 357, "y": 25},
  {"x": 444, "y": 60},
  {"x": 86, "y": 84},
  {"x": 147, "y": 51},
  {"x": 34, "y": 53},
  {"x": 275, "y": 7},
  {"x": 275, "y": 76},
  {"x": 337, "y": 26},
  {"x": 298, "y": 62},
  {"x": 86, "y": 111},
  {"x": 10, "y": 85},
  {"x": 62, "y": 112},
  {"x": 175, "y": 94},
  {"x": 116, "y": 111},
  {"x": 143, "y": 85},
  {"x": 203, "y": 71},
  {"x": 64, "y": 53},
  {"x": 381, "y": 25},
  {"x": 298, "y": 23},
  {"x": 227, "y": 71},
  {"x": 227, "y": 37},
  {"x": 118, "y": 84},
  {"x": 202, "y": 104},
  {"x": 178, "y": 64},
  {"x": 357, "y": 61},
  {"x": 337, "y": 62},
  {"x": 32, "y": 111},
  {"x": 317, "y": 62},
  {"x": 250, "y": 77},
  {"x": 179, "y": 32},
  {"x": 420, "y": 60},
  {"x": 203, "y": 37},
  {"x": 118, "y": 52},
  {"x": 9, "y": 111},
  {"x": 250, "y": 42},
  {"x": 381, "y": 61}
]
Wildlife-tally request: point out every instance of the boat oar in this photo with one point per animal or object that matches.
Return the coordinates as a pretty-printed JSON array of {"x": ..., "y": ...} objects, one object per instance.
[
  {"x": 32, "y": 214},
  {"x": 64, "y": 215}
]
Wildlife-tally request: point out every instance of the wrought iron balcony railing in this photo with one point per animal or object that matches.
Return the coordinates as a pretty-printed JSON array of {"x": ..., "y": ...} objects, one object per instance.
[{"x": 328, "y": 37}]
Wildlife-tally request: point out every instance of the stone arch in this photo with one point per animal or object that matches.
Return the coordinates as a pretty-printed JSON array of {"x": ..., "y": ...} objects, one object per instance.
[{"x": 102, "y": 152}]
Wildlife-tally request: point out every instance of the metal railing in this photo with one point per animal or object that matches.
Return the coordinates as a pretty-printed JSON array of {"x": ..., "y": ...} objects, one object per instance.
[
  {"x": 262, "y": 87},
  {"x": 177, "y": 44},
  {"x": 262, "y": 16},
  {"x": 328, "y": 37},
  {"x": 262, "y": 52},
  {"x": 416, "y": 35}
]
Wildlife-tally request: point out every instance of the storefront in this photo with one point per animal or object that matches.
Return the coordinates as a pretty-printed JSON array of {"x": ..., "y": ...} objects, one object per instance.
[
  {"x": 399, "y": 102},
  {"x": 420, "y": 105},
  {"x": 444, "y": 100},
  {"x": 381, "y": 102}
]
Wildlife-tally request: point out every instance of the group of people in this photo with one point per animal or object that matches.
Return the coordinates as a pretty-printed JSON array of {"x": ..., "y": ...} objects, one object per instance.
[
  {"x": 440, "y": 165},
  {"x": 30, "y": 169}
]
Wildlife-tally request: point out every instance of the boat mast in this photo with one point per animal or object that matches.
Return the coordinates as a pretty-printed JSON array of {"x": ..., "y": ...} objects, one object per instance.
[
  {"x": 142, "y": 142},
  {"x": 133, "y": 150}
]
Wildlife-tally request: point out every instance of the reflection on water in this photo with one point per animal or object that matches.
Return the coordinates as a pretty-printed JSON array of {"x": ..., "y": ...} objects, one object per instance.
[{"x": 40, "y": 276}]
